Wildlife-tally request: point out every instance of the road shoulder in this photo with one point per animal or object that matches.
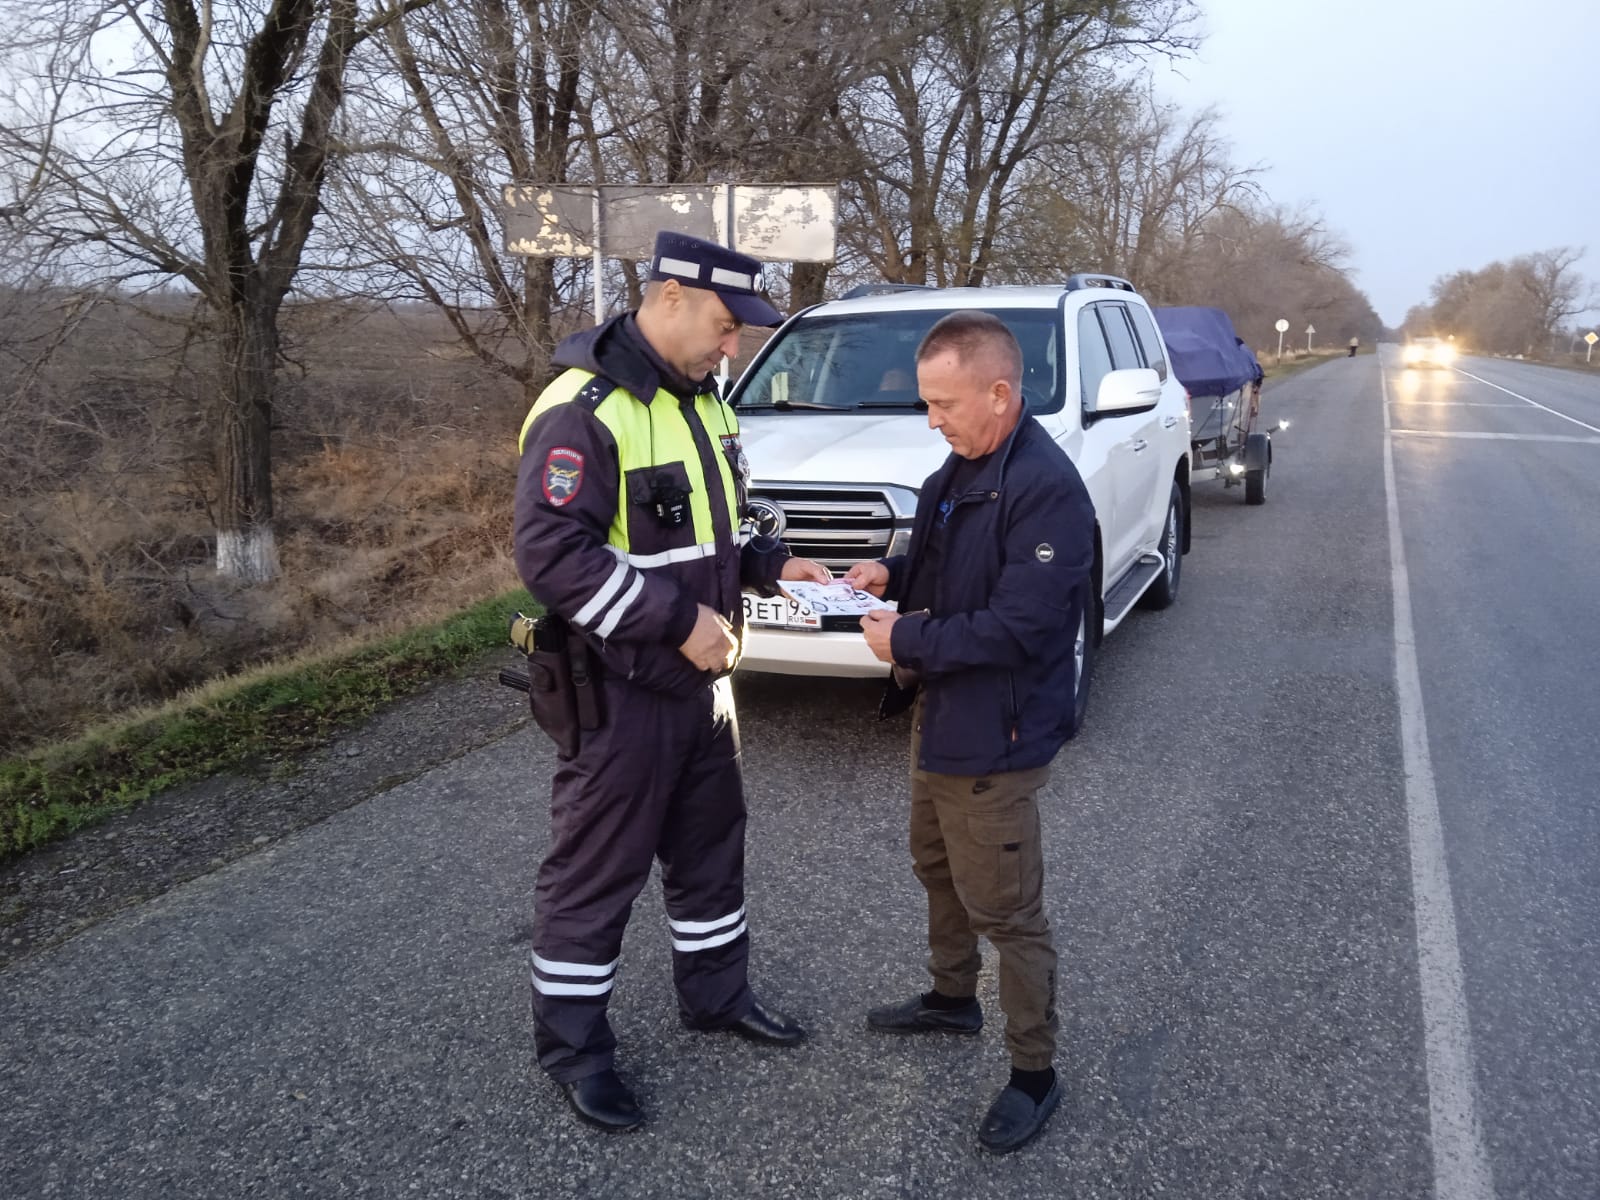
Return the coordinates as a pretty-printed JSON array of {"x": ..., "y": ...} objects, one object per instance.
[{"x": 71, "y": 885}]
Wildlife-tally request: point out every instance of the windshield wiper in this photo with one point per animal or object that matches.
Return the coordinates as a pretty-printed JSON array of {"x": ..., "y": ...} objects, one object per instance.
[{"x": 790, "y": 405}]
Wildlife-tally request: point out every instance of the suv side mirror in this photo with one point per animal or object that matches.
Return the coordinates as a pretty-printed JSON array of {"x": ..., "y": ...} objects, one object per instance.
[{"x": 1128, "y": 389}]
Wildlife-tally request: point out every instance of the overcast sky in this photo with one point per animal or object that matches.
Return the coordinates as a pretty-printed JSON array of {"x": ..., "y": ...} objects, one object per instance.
[{"x": 1432, "y": 137}]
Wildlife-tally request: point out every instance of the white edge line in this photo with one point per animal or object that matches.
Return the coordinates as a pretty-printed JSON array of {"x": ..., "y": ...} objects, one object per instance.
[
  {"x": 1475, "y": 435},
  {"x": 1461, "y": 1169},
  {"x": 1524, "y": 399}
]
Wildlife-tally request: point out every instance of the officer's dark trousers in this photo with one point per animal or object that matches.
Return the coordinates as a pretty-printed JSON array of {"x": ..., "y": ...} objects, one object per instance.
[{"x": 661, "y": 781}]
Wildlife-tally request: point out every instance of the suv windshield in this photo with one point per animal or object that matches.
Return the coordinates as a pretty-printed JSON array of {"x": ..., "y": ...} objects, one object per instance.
[{"x": 867, "y": 361}]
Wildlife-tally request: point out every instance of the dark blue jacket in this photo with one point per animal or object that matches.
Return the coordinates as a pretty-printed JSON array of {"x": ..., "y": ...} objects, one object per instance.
[{"x": 997, "y": 662}]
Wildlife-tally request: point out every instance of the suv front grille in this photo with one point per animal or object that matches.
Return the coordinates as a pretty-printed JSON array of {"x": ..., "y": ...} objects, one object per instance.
[{"x": 840, "y": 526}]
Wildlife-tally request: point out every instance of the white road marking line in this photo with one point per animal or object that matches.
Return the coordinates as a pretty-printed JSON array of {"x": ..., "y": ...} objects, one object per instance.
[
  {"x": 1461, "y": 1169},
  {"x": 1497, "y": 437},
  {"x": 1455, "y": 403},
  {"x": 1535, "y": 403}
]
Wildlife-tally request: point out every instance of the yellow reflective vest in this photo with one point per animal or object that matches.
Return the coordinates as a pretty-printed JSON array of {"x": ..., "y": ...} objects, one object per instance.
[{"x": 629, "y": 516}]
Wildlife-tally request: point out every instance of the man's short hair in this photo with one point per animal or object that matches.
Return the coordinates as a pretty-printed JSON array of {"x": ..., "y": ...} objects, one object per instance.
[{"x": 979, "y": 340}]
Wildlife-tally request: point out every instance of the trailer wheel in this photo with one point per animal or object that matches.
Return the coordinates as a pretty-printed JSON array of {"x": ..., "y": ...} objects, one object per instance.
[
  {"x": 1258, "y": 465},
  {"x": 1255, "y": 487}
]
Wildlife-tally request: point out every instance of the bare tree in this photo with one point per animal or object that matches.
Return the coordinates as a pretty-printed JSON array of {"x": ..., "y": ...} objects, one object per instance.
[
  {"x": 571, "y": 91},
  {"x": 1132, "y": 192},
  {"x": 1556, "y": 291},
  {"x": 163, "y": 140},
  {"x": 1262, "y": 263},
  {"x": 494, "y": 92},
  {"x": 963, "y": 95},
  {"x": 1515, "y": 307}
]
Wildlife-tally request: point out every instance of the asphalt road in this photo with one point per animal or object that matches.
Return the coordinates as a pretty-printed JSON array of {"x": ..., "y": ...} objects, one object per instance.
[
  {"x": 1497, "y": 469},
  {"x": 1229, "y": 872}
]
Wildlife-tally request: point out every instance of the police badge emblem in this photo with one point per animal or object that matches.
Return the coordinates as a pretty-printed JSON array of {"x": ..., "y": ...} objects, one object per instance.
[{"x": 563, "y": 475}]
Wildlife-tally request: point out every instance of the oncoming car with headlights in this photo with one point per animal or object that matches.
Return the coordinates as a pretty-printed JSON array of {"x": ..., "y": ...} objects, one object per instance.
[{"x": 1428, "y": 352}]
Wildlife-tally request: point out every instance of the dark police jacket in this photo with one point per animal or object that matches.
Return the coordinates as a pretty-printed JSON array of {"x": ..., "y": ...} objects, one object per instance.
[
  {"x": 601, "y": 464},
  {"x": 996, "y": 656}
]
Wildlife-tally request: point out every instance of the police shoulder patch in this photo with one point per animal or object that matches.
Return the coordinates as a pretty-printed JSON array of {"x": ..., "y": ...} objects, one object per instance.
[
  {"x": 1044, "y": 552},
  {"x": 563, "y": 475}
]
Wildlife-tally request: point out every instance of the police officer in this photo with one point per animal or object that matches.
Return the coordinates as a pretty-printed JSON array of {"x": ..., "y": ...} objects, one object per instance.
[
  {"x": 629, "y": 527},
  {"x": 990, "y": 591}
]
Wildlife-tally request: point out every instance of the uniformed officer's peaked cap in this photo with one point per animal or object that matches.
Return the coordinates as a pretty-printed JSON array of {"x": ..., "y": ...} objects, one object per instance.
[{"x": 734, "y": 277}]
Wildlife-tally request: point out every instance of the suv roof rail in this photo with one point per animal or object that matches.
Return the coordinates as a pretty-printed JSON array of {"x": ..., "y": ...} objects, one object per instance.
[
  {"x": 883, "y": 289},
  {"x": 1086, "y": 279}
]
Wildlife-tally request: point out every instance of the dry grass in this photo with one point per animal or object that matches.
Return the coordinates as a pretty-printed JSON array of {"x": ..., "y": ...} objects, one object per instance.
[
  {"x": 261, "y": 717},
  {"x": 393, "y": 475}
]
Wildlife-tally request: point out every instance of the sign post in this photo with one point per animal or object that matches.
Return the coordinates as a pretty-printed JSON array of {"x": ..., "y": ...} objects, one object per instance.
[
  {"x": 1310, "y": 329},
  {"x": 1282, "y": 327},
  {"x": 1591, "y": 337},
  {"x": 599, "y": 264}
]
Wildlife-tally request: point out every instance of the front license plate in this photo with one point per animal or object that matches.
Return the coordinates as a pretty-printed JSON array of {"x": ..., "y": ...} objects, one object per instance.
[{"x": 779, "y": 612}]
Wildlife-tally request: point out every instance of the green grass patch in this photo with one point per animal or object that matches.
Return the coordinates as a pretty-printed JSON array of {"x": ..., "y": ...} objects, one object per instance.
[
  {"x": 232, "y": 724},
  {"x": 1293, "y": 365}
]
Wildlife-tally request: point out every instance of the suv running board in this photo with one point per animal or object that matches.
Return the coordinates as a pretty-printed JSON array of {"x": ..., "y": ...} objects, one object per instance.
[{"x": 1119, "y": 601}]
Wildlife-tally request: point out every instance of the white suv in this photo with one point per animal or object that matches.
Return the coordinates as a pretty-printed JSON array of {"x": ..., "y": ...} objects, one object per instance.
[{"x": 839, "y": 442}]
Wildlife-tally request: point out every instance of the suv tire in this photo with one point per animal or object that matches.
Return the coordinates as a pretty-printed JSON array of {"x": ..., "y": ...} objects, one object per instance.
[
  {"x": 1165, "y": 589},
  {"x": 1084, "y": 652}
]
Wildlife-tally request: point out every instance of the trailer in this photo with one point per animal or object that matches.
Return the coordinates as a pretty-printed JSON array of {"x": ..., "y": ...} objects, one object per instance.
[{"x": 1223, "y": 379}]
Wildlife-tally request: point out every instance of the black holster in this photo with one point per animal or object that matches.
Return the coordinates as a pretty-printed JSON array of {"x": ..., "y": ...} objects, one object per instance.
[{"x": 563, "y": 685}]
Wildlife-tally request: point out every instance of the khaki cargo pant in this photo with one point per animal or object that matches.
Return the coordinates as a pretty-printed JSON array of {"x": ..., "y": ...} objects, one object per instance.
[{"x": 976, "y": 848}]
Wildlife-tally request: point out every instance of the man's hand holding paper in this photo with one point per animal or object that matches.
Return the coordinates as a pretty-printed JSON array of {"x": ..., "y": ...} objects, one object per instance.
[{"x": 870, "y": 576}]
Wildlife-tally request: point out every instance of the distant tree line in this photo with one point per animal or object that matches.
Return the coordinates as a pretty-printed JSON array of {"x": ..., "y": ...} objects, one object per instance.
[
  {"x": 1523, "y": 306},
  {"x": 247, "y": 153}
]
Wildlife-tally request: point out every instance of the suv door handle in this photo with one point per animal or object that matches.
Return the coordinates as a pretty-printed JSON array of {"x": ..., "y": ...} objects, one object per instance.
[
  {"x": 1139, "y": 444},
  {"x": 1168, "y": 421}
]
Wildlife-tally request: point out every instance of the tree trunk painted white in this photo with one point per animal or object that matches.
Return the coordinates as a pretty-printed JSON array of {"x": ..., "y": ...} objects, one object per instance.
[
  {"x": 249, "y": 555},
  {"x": 246, "y": 548}
]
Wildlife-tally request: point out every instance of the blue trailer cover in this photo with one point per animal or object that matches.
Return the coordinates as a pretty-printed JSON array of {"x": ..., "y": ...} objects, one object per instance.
[{"x": 1207, "y": 356}]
